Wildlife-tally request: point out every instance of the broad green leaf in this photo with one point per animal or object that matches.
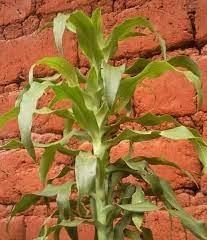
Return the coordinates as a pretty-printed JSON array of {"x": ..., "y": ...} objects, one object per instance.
[
  {"x": 85, "y": 29},
  {"x": 140, "y": 207},
  {"x": 132, "y": 235},
  {"x": 121, "y": 225},
  {"x": 159, "y": 161},
  {"x": 52, "y": 190},
  {"x": 64, "y": 113},
  {"x": 96, "y": 20},
  {"x": 46, "y": 162},
  {"x": 73, "y": 223},
  {"x": 152, "y": 70},
  {"x": 25, "y": 203},
  {"x": 198, "y": 228},
  {"x": 185, "y": 62},
  {"x": 147, "y": 234},
  {"x": 121, "y": 31},
  {"x": 92, "y": 81},
  {"x": 61, "y": 174},
  {"x": 178, "y": 133},
  {"x": 59, "y": 23},
  {"x": 111, "y": 79},
  {"x": 84, "y": 116},
  {"x": 8, "y": 116},
  {"x": 134, "y": 136},
  {"x": 27, "y": 109},
  {"x": 202, "y": 153},
  {"x": 168, "y": 196},
  {"x": 137, "y": 218},
  {"x": 138, "y": 66},
  {"x": 62, "y": 66},
  {"x": 13, "y": 144},
  {"x": 85, "y": 171}
]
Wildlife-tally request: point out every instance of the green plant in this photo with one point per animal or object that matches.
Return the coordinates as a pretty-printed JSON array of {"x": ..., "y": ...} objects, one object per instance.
[{"x": 115, "y": 209}]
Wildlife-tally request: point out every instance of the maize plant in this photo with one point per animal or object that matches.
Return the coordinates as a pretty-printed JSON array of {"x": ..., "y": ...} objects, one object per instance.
[{"x": 115, "y": 208}]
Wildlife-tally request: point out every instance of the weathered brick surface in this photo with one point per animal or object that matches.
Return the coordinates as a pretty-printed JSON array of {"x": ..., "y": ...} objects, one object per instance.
[
  {"x": 181, "y": 23},
  {"x": 200, "y": 21},
  {"x": 19, "y": 54},
  {"x": 180, "y": 152}
]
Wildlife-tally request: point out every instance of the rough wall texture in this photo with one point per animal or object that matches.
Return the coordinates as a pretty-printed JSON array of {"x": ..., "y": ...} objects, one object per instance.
[{"x": 181, "y": 22}]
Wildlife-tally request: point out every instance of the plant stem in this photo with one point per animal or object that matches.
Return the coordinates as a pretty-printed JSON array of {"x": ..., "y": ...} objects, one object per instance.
[{"x": 104, "y": 232}]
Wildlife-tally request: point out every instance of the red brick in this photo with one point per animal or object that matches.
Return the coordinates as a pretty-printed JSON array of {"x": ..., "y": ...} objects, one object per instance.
[
  {"x": 29, "y": 49},
  {"x": 19, "y": 175},
  {"x": 200, "y": 21},
  {"x": 170, "y": 93},
  {"x": 180, "y": 152},
  {"x": 51, "y": 6},
  {"x": 16, "y": 229},
  {"x": 176, "y": 30},
  {"x": 33, "y": 225},
  {"x": 12, "y": 11}
]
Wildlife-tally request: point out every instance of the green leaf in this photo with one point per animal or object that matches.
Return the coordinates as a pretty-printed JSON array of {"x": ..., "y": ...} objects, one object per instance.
[
  {"x": 92, "y": 81},
  {"x": 152, "y": 70},
  {"x": 59, "y": 23},
  {"x": 198, "y": 228},
  {"x": 138, "y": 66},
  {"x": 84, "y": 116},
  {"x": 73, "y": 223},
  {"x": 121, "y": 31},
  {"x": 132, "y": 235},
  {"x": 27, "y": 109},
  {"x": 111, "y": 79},
  {"x": 64, "y": 113},
  {"x": 25, "y": 203},
  {"x": 85, "y": 29},
  {"x": 61, "y": 174},
  {"x": 202, "y": 152},
  {"x": 13, "y": 144},
  {"x": 46, "y": 161},
  {"x": 8, "y": 116},
  {"x": 147, "y": 234},
  {"x": 137, "y": 218},
  {"x": 140, "y": 207},
  {"x": 62, "y": 66},
  {"x": 85, "y": 171},
  {"x": 185, "y": 62},
  {"x": 96, "y": 20}
]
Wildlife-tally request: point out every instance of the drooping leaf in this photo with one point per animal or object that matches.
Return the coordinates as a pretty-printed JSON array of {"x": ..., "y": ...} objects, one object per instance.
[
  {"x": 73, "y": 223},
  {"x": 64, "y": 113},
  {"x": 8, "y": 116},
  {"x": 111, "y": 79},
  {"x": 198, "y": 228},
  {"x": 84, "y": 116},
  {"x": 46, "y": 161},
  {"x": 13, "y": 144},
  {"x": 62, "y": 66},
  {"x": 138, "y": 66},
  {"x": 185, "y": 62},
  {"x": 59, "y": 23},
  {"x": 152, "y": 70},
  {"x": 121, "y": 31},
  {"x": 25, "y": 203},
  {"x": 85, "y": 171},
  {"x": 27, "y": 109},
  {"x": 140, "y": 207},
  {"x": 61, "y": 174},
  {"x": 202, "y": 152}
]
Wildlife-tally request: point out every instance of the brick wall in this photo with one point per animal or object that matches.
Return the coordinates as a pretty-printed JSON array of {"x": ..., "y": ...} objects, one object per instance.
[{"x": 181, "y": 22}]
